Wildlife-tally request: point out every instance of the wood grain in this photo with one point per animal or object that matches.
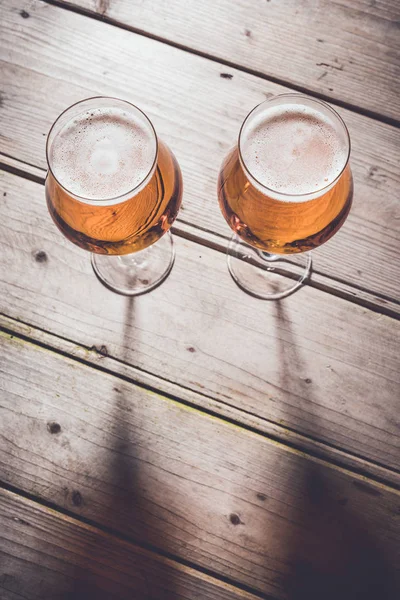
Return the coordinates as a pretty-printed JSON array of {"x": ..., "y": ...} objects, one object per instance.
[
  {"x": 197, "y": 487},
  {"x": 348, "y": 51},
  {"x": 47, "y": 555},
  {"x": 312, "y": 363},
  {"x": 236, "y": 415},
  {"x": 55, "y": 57}
]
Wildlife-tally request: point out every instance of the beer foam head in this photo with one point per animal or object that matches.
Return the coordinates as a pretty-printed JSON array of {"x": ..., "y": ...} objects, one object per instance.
[
  {"x": 103, "y": 153},
  {"x": 294, "y": 148}
]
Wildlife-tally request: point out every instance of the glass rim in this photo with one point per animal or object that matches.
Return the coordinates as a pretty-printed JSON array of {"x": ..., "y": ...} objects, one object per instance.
[
  {"x": 313, "y": 193},
  {"x": 113, "y": 199}
]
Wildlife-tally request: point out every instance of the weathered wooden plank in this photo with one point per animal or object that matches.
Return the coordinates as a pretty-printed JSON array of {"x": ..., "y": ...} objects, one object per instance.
[
  {"x": 312, "y": 363},
  {"x": 56, "y": 57},
  {"x": 344, "y": 50},
  {"x": 44, "y": 554},
  {"x": 197, "y": 487},
  {"x": 277, "y": 431}
]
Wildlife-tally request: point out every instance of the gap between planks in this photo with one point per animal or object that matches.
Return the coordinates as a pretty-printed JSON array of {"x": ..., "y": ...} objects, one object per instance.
[
  {"x": 277, "y": 80},
  {"x": 376, "y": 302},
  {"x": 302, "y": 445}
]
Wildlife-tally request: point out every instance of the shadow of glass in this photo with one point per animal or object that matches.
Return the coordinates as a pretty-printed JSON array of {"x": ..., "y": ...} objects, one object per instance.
[
  {"x": 338, "y": 558},
  {"x": 126, "y": 511},
  {"x": 332, "y": 556}
]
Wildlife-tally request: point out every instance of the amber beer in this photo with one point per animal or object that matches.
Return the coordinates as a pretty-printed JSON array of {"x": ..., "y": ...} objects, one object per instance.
[
  {"x": 287, "y": 186},
  {"x": 112, "y": 187}
]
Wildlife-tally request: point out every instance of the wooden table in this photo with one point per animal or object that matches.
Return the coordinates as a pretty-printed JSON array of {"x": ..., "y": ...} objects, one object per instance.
[{"x": 195, "y": 442}]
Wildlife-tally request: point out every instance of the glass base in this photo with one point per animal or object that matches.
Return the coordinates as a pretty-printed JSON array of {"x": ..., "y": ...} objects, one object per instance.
[
  {"x": 264, "y": 275},
  {"x": 139, "y": 272}
]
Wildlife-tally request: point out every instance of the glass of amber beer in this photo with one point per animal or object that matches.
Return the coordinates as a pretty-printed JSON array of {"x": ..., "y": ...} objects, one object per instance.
[
  {"x": 284, "y": 189},
  {"x": 114, "y": 188}
]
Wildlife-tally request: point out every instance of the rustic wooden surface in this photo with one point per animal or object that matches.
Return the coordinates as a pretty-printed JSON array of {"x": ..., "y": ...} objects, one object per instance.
[
  {"x": 210, "y": 492},
  {"x": 199, "y": 443}
]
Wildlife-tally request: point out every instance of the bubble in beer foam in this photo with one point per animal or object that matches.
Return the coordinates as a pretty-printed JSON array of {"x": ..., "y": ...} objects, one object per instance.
[
  {"x": 293, "y": 149},
  {"x": 103, "y": 153}
]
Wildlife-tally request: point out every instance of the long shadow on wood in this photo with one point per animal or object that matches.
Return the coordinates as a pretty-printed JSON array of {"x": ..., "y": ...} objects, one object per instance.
[
  {"x": 334, "y": 557},
  {"x": 127, "y": 502}
]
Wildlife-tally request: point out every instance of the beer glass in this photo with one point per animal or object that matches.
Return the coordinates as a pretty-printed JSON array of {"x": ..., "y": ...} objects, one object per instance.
[
  {"x": 285, "y": 188},
  {"x": 114, "y": 188}
]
